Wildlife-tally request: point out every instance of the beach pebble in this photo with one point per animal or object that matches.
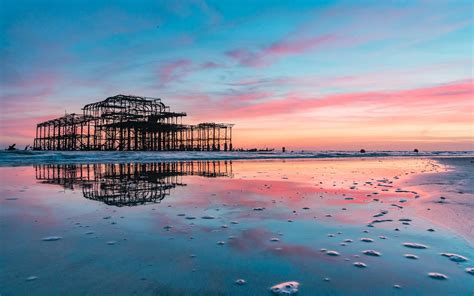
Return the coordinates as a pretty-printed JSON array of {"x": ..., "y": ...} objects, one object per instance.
[
  {"x": 360, "y": 264},
  {"x": 208, "y": 217},
  {"x": 287, "y": 288},
  {"x": 372, "y": 253},
  {"x": 51, "y": 238},
  {"x": 31, "y": 278},
  {"x": 415, "y": 246},
  {"x": 437, "y": 276},
  {"x": 455, "y": 257},
  {"x": 240, "y": 282},
  {"x": 411, "y": 256}
]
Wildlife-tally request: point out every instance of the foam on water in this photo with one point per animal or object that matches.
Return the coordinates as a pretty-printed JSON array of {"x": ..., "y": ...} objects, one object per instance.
[{"x": 19, "y": 157}]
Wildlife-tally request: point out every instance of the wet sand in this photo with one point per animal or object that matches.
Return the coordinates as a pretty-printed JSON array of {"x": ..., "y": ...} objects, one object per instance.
[
  {"x": 336, "y": 227},
  {"x": 448, "y": 198}
]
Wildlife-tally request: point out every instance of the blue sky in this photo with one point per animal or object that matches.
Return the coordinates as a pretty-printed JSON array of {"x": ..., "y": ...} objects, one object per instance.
[{"x": 246, "y": 62}]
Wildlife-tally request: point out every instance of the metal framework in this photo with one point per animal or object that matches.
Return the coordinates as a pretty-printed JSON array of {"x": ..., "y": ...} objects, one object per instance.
[
  {"x": 126, "y": 123},
  {"x": 128, "y": 184}
]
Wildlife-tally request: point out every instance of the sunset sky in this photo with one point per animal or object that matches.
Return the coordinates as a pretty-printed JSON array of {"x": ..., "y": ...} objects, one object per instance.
[{"x": 319, "y": 75}]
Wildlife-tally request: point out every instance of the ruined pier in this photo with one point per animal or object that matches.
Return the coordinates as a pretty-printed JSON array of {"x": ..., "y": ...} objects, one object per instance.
[{"x": 131, "y": 123}]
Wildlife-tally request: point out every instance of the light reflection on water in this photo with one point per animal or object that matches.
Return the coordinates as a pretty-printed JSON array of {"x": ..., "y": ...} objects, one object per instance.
[{"x": 194, "y": 228}]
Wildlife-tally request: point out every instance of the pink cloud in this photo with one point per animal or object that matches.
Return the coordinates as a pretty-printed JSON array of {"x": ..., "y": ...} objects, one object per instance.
[
  {"x": 286, "y": 47},
  {"x": 173, "y": 70},
  {"x": 431, "y": 97},
  {"x": 290, "y": 45},
  {"x": 176, "y": 70}
]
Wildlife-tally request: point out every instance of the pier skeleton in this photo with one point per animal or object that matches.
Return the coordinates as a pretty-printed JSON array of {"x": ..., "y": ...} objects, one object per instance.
[{"x": 131, "y": 123}]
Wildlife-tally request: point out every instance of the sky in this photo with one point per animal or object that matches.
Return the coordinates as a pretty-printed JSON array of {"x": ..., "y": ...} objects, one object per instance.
[{"x": 312, "y": 75}]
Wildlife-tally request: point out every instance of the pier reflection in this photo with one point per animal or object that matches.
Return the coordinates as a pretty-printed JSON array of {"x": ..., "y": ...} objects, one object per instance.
[{"x": 128, "y": 184}]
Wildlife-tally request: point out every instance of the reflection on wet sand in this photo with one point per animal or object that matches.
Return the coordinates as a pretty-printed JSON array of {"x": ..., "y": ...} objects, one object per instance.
[{"x": 128, "y": 184}]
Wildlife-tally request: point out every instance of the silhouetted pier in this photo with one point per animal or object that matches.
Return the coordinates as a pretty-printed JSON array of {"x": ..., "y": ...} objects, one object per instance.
[{"x": 135, "y": 123}]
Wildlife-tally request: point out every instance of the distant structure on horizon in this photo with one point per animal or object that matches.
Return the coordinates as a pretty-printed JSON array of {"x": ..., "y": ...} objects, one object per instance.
[{"x": 131, "y": 123}]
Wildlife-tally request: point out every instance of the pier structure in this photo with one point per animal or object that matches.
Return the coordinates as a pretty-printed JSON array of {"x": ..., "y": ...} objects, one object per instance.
[
  {"x": 131, "y": 123},
  {"x": 128, "y": 184}
]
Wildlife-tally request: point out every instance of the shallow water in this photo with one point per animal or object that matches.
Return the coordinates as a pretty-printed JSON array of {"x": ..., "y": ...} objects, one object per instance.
[{"x": 200, "y": 228}]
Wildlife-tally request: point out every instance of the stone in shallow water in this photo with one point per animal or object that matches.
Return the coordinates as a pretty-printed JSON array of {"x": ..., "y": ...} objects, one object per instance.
[
  {"x": 274, "y": 239},
  {"x": 415, "y": 246},
  {"x": 411, "y": 256},
  {"x": 360, "y": 264},
  {"x": 437, "y": 276},
  {"x": 208, "y": 217},
  {"x": 51, "y": 238},
  {"x": 366, "y": 240},
  {"x": 372, "y": 253},
  {"x": 397, "y": 286},
  {"x": 470, "y": 270},
  {"x": 332, "y": 253},
  {"x": 110, "y": 243},
  {"x": 240, "y": 282},
  {"x": 220, "y": 243},
  {"x": 287, "y": 288},
  {"x": 31, "y": 278},
  {"x": 455, "y": 257}
]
